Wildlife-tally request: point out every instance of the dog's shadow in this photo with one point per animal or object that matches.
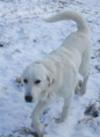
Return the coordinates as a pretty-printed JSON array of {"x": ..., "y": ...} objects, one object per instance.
[{"x": 23, "y": 132}]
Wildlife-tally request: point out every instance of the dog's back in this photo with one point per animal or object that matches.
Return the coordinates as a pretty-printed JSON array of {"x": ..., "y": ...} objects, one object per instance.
[{"x": 77, "y": 44}]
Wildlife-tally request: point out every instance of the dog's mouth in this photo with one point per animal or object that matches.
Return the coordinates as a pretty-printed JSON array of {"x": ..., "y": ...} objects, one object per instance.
[{"x": 28, "y": 99}]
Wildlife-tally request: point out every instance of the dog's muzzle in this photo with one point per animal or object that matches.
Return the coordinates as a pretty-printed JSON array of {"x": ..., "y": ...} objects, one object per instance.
[{"x": 28, "y": 98}]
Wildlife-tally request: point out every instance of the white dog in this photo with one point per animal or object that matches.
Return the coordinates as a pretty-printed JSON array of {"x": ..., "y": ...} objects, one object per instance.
[{"x": 59, "y": 72}]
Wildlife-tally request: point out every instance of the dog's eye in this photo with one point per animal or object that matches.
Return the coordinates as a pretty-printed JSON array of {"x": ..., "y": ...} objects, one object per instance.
[
  {"x": 37, "y": 81},
  {"x": 25, "y": 81}
]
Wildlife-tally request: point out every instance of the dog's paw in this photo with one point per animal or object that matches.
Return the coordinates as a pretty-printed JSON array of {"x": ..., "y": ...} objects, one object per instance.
[
  {"x": 38, "y": 130},
  {"x": 59, "y": 120}
]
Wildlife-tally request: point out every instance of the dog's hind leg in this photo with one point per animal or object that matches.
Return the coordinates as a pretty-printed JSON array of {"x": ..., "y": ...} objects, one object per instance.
[
  {"x": 83, "y": 86},
  {"x": 84, "y": 71}
]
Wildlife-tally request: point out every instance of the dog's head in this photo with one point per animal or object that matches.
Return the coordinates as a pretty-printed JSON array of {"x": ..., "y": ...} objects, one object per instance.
[{"x": 37, "y": 80}]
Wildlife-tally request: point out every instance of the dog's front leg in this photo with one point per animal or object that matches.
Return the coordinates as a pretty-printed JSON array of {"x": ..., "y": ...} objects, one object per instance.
[
  {"x": 65, "y": 111},
  {"x": 36, "y": 117}
]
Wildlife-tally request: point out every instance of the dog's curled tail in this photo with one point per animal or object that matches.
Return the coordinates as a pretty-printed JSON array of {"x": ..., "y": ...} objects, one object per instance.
[{"x": 70, "y": 15}]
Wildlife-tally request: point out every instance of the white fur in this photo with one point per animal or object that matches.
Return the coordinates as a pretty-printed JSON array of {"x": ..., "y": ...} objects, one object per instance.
[{"x": 59, "y": 71}]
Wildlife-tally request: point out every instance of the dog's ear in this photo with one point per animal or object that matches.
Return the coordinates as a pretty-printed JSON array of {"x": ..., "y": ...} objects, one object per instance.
[
  {"x": 50, "y": 79},
  {"x": 19, "y": 80}
]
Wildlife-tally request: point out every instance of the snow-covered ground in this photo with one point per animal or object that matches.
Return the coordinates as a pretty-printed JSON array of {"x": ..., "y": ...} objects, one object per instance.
[{"x": 25, "y": 37}]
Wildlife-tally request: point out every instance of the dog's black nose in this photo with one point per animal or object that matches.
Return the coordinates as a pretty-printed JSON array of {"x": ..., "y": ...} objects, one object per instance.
[{"x": 28, "y": 98}]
